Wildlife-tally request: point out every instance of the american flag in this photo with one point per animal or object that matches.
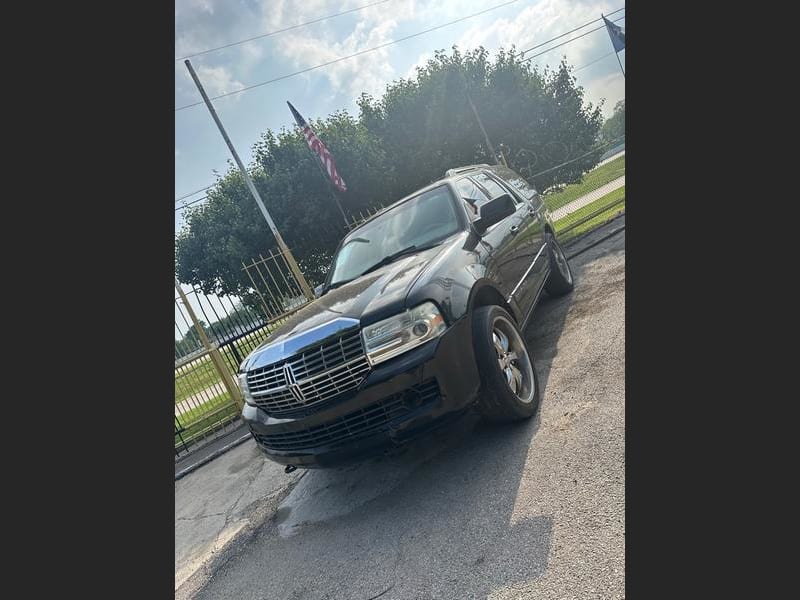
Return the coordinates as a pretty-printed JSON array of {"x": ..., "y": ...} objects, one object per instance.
[{"x": 318, "y": 148}]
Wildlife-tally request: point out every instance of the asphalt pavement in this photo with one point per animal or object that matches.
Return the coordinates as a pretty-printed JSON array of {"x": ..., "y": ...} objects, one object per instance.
[{"x": 531, "y": 510}]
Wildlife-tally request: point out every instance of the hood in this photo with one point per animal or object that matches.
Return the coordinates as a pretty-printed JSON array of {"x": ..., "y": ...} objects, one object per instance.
[{"x": 367, "y": 299}]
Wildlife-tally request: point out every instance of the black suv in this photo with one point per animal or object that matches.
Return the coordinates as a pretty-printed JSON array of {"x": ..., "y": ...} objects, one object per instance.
[{"x": 419, "y": 319}]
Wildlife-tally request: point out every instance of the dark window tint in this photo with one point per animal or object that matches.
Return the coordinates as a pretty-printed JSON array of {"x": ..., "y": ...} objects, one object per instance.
[
  {"x": 525, "y": 189},
  {"x": 491, "y": 185},
  {"x": 471, "y": 193}
]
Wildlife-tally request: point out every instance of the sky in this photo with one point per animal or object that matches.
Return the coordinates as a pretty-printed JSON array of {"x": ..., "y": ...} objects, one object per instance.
[
  {"x": 205, "y": 24},
  {"x": 200, "y": 151}
]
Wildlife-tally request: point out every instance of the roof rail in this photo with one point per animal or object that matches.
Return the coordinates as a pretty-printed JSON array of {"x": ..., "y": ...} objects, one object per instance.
[{"x": 457, "y": 170}]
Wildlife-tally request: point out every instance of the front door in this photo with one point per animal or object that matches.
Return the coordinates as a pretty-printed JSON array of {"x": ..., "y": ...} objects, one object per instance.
[
  {"x": 498, "y": 241},
  {"x": 517, "y": 253},
  {"x": 530, "y": 237}
]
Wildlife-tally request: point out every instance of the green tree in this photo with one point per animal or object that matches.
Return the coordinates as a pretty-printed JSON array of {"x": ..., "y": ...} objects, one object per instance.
[
  {"x": 191, "y": 341},
  {"x": 426, "y": 125},
  {"x": 229, "y": 228},
  {"x": 418, "y": 129},
  {"x": 614, "y": 127}
]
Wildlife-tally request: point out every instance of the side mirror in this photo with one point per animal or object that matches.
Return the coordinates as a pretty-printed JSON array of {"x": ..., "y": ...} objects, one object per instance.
[
  {"x": 493, "y": 212},
  {"x": 318, "y": 290}
]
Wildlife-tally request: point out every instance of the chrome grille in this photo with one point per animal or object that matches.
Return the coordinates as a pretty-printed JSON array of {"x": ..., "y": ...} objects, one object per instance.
[{"x": 320, "y": 373}]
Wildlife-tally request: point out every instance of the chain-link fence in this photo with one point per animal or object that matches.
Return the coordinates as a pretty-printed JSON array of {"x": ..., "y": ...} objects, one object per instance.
[{"x": 578, "y": 208}]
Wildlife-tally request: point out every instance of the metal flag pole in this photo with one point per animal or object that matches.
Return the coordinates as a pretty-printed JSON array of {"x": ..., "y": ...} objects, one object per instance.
[
  {"x": 253, "y": 191},
  {"x": 620, "y": 64},
  {"x": 615, "y": 48},
  {"x": 330, "y": 189},
  {"x": 318, "y": 161}
]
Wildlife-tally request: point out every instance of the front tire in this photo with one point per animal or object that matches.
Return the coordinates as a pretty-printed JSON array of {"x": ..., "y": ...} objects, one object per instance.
[
  {"x": 509, "y": 384},
  {"x": 560, "y": 281}
]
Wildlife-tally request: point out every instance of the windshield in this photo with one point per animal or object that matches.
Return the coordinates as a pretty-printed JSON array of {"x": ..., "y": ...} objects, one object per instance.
[{"x": 420, "y": 221}]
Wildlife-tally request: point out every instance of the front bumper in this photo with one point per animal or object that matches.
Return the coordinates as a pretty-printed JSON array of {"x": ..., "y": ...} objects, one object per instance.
[{"x": 399, "y": 400}]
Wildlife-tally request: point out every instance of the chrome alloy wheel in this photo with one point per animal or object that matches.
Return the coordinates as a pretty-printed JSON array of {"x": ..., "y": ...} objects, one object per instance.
[{"x": 513, "y": 359}]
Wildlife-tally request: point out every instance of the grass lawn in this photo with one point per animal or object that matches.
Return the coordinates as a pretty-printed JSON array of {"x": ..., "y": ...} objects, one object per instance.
[
  {"x": 195, "y": 377},
  {"x": 596, "y": 221},
  {"x": 200, "y": 412},
  {"x": 591, "y": 181},
  {"x": 201, "y": 420}
]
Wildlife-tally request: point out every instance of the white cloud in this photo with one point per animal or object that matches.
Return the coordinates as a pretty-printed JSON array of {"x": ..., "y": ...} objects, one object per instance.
[
  {"x": 368, "y": 72},
  {"x": 217, "y": 80},
  {"x": 611, "y": 87},
  {"x": 541, "y": 22}
]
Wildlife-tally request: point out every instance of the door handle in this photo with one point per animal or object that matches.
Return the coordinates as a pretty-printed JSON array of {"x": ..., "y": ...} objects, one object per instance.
[{"x": 514, "y": 228}]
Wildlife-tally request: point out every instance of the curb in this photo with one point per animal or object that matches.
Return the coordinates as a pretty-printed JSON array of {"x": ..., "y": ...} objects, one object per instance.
[
  {"x": 218, "y": 452},
  {"x": 597, "y": 241}
]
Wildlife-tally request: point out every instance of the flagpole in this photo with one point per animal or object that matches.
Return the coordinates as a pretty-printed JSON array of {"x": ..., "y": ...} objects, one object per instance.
[
  {"x": 615, "y": 48},
  {"x": 298, "y": 119},
  {"x": 330, "y": 189},
  {"x": 253, "y": 191}
]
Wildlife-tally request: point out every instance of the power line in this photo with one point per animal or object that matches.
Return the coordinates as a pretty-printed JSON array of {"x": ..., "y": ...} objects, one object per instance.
[
  {"x": 263, "y": 35},
  {"x": 190, "y": 203},
  {"x": 570, "y": 31},
  {"x": 591, "y": 63},
  {"x": 570, "y": 40},
  {"x": 360, "y": 52},
  {"x": 405, "y": 38},
  {"x": 208, "y": 187}
]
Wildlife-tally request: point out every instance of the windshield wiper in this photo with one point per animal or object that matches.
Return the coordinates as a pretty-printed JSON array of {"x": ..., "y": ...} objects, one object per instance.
[
  {"x": 395, "y": 255},
  {"x": 333, "y": 286}
]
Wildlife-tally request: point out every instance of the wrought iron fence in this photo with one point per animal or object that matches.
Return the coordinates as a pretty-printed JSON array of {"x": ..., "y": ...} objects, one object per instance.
[
  {"x": 276, "y": 286},
  {"x": 363, "y": 216},
  {"x": 214, "y": 334},
  {"x": 207, "y": 399}
]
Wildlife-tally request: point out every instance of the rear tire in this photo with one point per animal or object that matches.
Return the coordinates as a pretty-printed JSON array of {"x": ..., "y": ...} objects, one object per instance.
[
  {"x": 560, "y": 281},
  {"x": 509, "y": 384}
]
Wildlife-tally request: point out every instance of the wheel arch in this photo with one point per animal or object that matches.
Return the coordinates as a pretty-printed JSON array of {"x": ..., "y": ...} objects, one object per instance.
[{"x": 485, "y": 293}]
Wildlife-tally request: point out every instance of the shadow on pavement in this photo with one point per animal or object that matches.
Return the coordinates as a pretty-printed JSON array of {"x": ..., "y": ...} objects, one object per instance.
[{"x": 438, "y": 520}]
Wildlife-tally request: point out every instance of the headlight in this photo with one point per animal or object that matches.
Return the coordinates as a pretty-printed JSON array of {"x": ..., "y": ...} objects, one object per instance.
[
  {"x": 400, "y": 333},
  {"x": 242, "y": 381}
]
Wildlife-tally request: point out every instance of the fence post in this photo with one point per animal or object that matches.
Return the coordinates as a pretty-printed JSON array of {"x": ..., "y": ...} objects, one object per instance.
[{"x": 216, "y": 359}]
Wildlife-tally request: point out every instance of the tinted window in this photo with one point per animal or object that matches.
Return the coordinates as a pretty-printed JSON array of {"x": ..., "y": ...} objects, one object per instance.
[
  {"x": 491, "y": 185},
  {"x": 471, "y": 193},
  {"x": 525, "y": 189}
]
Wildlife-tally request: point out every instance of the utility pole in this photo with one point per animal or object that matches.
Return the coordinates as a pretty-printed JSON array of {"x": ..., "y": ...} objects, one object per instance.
[
  {"x": 485, "y": 135},
  {"x": 497, "y": 160},
  {"x": 250, "y": 186}
]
